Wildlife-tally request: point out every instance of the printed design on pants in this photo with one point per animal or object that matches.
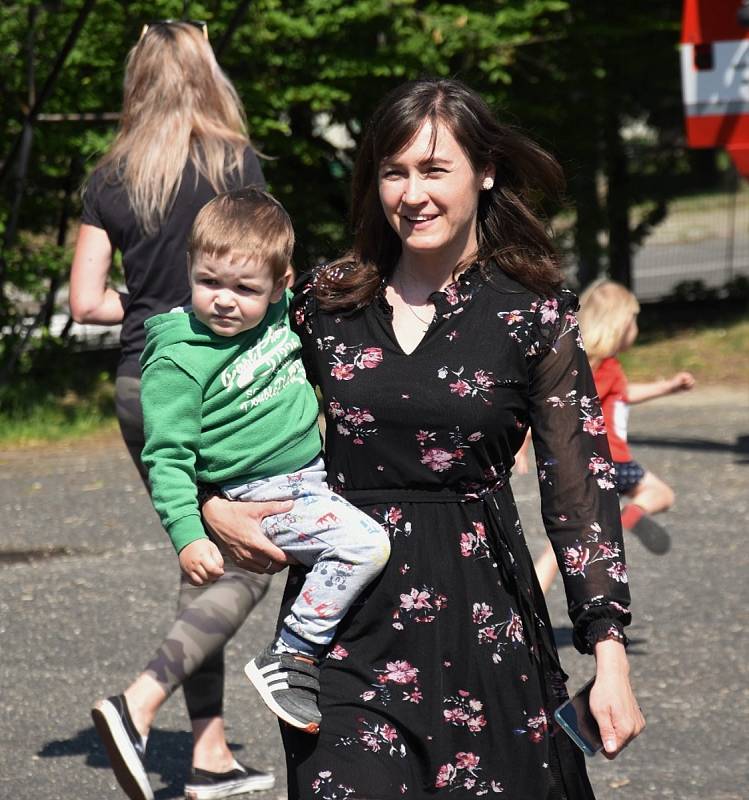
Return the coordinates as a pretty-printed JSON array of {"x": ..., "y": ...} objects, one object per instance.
[
  {"x": 277, "y": 524},
  {"x": 336, "y": 573},
  {"x": 327, "y": 521},
  {"x": 295, "y": 482},
  {"x": 325, "y": 608}
]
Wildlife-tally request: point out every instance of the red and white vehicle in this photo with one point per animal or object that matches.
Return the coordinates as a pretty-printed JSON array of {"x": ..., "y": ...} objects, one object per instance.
[{"x": 715, "y": 76}]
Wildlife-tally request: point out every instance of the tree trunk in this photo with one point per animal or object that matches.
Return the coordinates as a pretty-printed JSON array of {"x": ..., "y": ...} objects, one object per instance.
[
  {"x": 588, "y": 219},
  {"x": 617, "y": 197}
]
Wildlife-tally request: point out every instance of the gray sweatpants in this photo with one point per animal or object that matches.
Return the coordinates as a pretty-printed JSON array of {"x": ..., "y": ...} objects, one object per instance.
[{"x": 343, "y": 547}]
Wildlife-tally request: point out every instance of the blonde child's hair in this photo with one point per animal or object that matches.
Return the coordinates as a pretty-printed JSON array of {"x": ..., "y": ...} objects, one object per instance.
[
  {"x": 178, "y": 105},
  {"x": 244, "y": 224},
  {"x": 606, "y": 310}
]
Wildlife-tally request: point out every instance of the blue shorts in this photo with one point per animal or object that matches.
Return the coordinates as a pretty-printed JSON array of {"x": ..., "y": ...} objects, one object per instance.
[{"x": 628, "y": 475}]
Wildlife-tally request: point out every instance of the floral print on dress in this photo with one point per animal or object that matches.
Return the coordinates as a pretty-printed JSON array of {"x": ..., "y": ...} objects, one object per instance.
[
  {"x": 474, "y": 544},
  {"x": 603, "y": 470},
  {"x": 391, "y": 519},
  {"x": 325, "y": 786},
  {"x": 353, "y": 421},
  {"x": 457, "y": 295},
  {"x": 462, "y": 710},
  {"x": 337, "y": 653},
  {"x": 581, "y": 555},
  {"x": 429, "y": 432},
  {"x": 531, "y": 326},
  {"x": 346, "y": 359},
  {"x": 463, "y": 775},
  {"x": 481, "y": 384},
  {"x": 536, "y": 727},
  {"x": 502, "y": 635},
  {"x": 418, "y": 605},
  {"x": 400, "y": 674},
  {"x": 591, "y": 414},
  {"x": 440, "y": 459},
  {"x": 375, "y": 737}
]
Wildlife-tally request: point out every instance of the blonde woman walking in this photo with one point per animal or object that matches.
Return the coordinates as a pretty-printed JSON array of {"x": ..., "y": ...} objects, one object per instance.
[{"x": 182, "y": 140}]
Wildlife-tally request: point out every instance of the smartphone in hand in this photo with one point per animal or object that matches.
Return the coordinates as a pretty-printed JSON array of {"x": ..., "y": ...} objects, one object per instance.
[{"x": 578, "y": 723}]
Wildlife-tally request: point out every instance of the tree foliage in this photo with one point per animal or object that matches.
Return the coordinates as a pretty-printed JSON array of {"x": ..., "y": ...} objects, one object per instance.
[{"x": 574, "y": 73}]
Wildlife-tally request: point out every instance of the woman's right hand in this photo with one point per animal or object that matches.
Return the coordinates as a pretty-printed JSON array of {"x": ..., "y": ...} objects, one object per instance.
[
  {"x": 237, "y": 526},
  {"x": 612, "y": 701}
]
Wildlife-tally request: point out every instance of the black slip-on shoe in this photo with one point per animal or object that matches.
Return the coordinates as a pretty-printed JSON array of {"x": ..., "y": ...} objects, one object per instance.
[
  {"x": 125, "y": 747},
  {"x": 205, "y": 785}
]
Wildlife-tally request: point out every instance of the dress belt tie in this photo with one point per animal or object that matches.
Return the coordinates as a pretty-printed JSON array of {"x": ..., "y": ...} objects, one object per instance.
[{"x": 536, "y": 623}]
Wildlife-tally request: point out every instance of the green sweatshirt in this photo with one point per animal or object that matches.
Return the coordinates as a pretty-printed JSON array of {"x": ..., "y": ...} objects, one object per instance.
[{"x": 219, "y": 409}]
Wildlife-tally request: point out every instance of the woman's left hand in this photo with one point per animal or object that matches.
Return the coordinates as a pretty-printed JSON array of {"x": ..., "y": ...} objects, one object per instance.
[
  {"x": 239, "y": 527},
  {"x": 612, "y": 701}
]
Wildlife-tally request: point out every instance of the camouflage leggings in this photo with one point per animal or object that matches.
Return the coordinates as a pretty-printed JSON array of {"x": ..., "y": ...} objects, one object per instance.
[{"x": 192, "y": 652}]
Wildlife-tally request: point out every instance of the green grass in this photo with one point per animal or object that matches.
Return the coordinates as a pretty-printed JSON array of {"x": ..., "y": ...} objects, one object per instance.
[
  {"x": 54, "y": 422},
  {"x": 36, "y": 410},
  {"x": 715, "y": 354}
]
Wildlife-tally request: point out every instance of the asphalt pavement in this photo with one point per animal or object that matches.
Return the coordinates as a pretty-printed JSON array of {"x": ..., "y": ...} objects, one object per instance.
[{"x": 88, "y": 589}]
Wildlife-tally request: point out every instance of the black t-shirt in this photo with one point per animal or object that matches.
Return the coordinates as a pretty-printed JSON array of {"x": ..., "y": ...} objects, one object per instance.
[{"x": 155, "y": 266}]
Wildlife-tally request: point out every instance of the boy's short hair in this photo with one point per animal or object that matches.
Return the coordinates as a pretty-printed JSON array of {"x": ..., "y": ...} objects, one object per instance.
[{"x": 247, "y": 222}]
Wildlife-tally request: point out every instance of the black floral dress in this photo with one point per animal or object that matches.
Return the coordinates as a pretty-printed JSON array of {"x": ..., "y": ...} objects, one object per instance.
[{"x": 443, "y": 678}]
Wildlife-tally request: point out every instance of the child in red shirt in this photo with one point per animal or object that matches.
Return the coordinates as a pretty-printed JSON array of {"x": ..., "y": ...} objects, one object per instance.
[{"x": 608, "y": 322}]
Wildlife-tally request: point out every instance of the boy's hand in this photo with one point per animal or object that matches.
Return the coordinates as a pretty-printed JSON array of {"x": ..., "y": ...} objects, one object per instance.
[
  {"x": 201, "y": 561},
  {"x": 682, "y": 382}
]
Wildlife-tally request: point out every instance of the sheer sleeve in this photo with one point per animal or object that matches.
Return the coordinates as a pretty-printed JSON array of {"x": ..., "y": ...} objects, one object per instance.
[
  {"x": 579, "y": 502},
  {"x": 303, "y": 312}
]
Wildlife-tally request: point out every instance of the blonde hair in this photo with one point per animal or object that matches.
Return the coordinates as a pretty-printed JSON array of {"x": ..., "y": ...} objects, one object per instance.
[
  {"x": 606, "y": 310},
  {"x": 177, "y": 105},
  {"x": 246, "y": 223}
]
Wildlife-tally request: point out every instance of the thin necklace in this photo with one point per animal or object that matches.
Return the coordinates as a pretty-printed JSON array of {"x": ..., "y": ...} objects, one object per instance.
[{"x": 423, "y": 321}]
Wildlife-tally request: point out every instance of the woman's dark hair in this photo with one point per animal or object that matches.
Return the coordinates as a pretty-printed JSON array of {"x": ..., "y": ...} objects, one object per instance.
[{"x": 509, "y": 232}]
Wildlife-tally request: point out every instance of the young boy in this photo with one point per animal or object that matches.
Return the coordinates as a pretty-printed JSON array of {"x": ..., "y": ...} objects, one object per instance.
[{"x": 226, "y": 401}]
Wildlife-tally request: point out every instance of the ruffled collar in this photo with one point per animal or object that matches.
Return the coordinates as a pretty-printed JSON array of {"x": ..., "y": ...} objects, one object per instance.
[{"x": 448, "y": 301}]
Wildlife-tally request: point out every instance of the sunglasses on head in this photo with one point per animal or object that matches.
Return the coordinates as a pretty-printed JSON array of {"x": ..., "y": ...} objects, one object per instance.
[{"x": 196, "y": 23}]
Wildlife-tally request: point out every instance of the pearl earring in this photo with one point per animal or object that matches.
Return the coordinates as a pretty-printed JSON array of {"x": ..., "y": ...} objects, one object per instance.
[{"x": 487, "y": 184}]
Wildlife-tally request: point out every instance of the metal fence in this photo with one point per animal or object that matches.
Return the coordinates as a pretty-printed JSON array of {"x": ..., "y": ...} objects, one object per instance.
[{"x": 703, "y": 239}]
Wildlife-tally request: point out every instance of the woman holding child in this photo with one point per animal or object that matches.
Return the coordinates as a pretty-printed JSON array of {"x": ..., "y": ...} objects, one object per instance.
[{"x": 436, "y": 342}]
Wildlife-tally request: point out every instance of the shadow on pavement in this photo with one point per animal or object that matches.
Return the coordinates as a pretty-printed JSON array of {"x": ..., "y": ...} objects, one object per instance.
[
  {"x": 740, "y": 447},
  {"x": 168, "y": 756}
]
